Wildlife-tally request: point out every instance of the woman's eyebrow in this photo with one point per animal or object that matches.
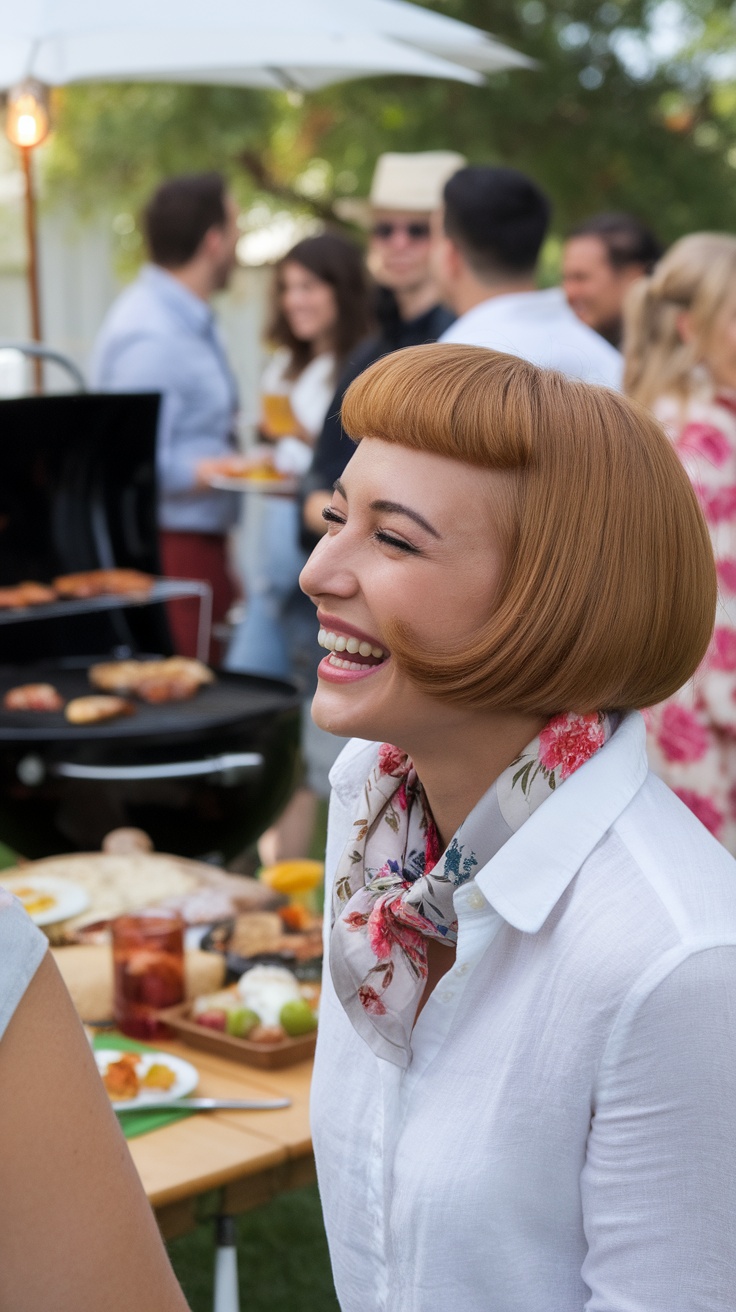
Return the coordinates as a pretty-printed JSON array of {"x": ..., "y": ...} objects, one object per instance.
[{"x": 393, "y": 508}]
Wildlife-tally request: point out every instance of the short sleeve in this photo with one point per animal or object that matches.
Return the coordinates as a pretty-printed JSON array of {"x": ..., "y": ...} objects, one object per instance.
[
  {"x": 659, "y": 1182},
  {"x": 22, "y": 948}
]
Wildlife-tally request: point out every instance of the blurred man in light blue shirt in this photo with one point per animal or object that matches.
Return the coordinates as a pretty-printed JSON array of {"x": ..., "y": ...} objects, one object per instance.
[{"x": 161, "y": 336}]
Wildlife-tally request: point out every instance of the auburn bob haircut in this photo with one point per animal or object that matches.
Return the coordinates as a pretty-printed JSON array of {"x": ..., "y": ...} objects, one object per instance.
[{"x": 609, "y": 593}]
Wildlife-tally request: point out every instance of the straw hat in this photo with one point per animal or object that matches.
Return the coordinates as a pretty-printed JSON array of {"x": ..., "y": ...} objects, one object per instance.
[{"x": 410, "y": 183}]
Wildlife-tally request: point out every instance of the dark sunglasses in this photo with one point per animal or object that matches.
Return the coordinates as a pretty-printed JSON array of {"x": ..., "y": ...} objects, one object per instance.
[{"x": 414, "y": 231}]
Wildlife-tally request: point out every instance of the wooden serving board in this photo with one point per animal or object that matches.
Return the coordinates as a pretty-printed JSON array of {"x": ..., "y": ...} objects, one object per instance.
[{"x": 269, "y": 1056}]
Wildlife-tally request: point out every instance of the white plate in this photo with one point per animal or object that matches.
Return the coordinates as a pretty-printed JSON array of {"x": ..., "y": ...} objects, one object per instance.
[
  {"x": 187, "y": 1077},
  {"x": 69, "y": 899},
  {"x": 271, "y": 487}
]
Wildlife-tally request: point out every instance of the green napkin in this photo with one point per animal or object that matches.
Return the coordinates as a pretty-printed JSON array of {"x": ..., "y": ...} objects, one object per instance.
[{"x": 137, "y": 1122}]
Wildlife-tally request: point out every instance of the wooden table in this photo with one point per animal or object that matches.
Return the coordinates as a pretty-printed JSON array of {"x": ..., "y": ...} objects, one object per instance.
[{"x": 225, "y": 1163}]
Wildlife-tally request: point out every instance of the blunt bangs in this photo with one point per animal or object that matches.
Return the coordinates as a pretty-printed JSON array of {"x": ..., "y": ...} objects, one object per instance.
[{"x": 608, "y": 599}]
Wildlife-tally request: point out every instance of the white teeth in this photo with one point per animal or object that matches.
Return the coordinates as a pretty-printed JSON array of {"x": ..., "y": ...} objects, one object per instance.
[
  {"x": 347, "y": 665},
  {"x": 354, "y": 646}
]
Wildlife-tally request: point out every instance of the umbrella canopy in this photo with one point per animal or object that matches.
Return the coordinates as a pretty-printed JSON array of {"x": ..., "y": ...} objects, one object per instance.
[{"x": 304, "y": 44}]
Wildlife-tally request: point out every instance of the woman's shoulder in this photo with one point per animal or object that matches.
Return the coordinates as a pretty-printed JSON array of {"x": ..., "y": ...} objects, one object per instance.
[
  {"x": 22, "y": 948},
  {"x": 684, "y": 869}
]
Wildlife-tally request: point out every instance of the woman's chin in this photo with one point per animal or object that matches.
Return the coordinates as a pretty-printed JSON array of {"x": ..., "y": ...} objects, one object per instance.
[{"x": 342, "y": 711}]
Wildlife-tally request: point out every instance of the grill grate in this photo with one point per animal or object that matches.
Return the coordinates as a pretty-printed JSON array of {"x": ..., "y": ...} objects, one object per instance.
[{"x": 232, "y": 699}]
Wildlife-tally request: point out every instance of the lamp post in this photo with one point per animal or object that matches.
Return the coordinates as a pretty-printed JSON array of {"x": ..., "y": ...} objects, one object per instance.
[{"x": 27, "y": 124}]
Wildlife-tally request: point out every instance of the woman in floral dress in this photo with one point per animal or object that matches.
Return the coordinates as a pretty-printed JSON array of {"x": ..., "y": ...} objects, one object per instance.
[
  {"x": 681, "y": 363},
  {"x": 524, "y": 1097}
]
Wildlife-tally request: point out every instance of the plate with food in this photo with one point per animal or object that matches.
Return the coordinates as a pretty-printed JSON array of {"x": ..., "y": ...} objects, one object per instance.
[
  {"x": 134, "y": 1079},
  {"x": 46, "y": 898},
  {"x": 263, "y": 478}
]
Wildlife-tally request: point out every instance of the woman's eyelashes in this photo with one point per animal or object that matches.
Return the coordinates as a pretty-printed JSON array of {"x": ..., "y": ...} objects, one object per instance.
[
  {"x": 388, "y": 540},
  {"x": 379, "y": 535}
]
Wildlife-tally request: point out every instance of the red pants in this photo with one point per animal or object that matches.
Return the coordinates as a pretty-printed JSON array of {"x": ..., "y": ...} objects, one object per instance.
[{"x": 196, "y": 556}]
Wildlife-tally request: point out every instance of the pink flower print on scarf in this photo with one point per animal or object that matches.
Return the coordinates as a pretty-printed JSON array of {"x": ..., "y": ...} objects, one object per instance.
[{"x": 568, "y": 742}]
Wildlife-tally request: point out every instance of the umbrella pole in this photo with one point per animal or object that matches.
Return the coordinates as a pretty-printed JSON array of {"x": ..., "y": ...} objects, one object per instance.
[{"x": 32, "y": 249}]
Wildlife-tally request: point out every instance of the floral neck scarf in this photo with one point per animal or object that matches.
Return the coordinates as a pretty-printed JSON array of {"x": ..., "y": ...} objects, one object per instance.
[{"x": 394, "y": 889}]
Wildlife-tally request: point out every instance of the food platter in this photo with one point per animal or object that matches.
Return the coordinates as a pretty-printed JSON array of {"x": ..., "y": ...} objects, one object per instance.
[
  {"x": 268, "y": 1056},
  {"x": 271, "y": 487},
  {"x": 185, "y": 1081},
  {"x": 47, "y": 898}
]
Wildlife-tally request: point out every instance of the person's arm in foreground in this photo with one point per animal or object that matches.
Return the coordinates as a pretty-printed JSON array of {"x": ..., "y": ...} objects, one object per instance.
[
  {"x": 76, "y": 1231},
  {"x": 659, "y": 1183}
]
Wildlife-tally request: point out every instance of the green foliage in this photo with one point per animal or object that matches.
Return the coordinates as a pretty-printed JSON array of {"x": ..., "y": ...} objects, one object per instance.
[{"x": 597, "y": 132}]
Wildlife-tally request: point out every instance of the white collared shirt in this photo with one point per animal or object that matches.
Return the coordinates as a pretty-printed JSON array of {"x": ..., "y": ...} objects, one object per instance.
[
  {"x": 565, "y": 1136},
  {"x": 540, "y": 327}
]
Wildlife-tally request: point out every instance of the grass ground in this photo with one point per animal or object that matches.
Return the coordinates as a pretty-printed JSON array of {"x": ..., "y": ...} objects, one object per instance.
[{"x": 283, "y": 1264}]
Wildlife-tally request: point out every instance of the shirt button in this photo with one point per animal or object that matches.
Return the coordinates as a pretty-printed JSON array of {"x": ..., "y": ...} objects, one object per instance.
[
  {"x": 476, "y": 900},
  {"x": 448, "y": 995},
  {"x": 463, "y": 970}
]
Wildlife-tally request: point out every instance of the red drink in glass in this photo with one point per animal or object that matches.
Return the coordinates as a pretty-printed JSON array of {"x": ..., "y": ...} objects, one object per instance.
[{"x": 148, "y": 960}]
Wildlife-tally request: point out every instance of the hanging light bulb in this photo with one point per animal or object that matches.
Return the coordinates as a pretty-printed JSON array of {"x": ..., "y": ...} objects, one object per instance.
[{"x": 27, "y": 119}]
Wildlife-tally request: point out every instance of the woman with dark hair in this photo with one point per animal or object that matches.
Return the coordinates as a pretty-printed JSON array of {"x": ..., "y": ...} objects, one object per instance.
[
  {"x": 320, "y": 312},
  {"x": 524, "y": 1096}
]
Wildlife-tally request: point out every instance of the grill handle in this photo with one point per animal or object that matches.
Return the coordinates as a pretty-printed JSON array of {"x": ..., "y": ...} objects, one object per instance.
[{"x": 250, "y": 761}]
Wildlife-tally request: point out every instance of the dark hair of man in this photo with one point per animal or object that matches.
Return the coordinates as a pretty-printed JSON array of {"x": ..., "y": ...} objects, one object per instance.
[
  {"x": 337, "y": 261},
  {"x": 179, "y": 214},
  {"x": 626, "y": 239},
  {"x": 498, "y": 219}
]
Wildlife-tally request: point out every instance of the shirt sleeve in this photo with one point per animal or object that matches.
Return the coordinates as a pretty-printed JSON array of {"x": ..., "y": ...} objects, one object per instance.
[
  {"x": 22, "y": 949},
  {"x": 659, "y": 1182}
]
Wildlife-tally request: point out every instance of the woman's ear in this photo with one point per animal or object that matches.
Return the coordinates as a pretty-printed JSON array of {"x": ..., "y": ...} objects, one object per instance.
[{"x": 685, "y": 329}]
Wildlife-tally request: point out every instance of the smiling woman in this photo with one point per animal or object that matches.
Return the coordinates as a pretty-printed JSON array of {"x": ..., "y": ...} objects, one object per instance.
[{"x": 532, "y": 943}]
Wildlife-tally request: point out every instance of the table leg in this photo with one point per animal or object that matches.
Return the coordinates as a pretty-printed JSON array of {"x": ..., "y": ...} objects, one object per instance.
[{"x": 227, "y": 1296}]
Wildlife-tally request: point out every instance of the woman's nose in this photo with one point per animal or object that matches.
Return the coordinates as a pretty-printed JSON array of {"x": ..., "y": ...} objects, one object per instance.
[{"x": 327, "y": 572}]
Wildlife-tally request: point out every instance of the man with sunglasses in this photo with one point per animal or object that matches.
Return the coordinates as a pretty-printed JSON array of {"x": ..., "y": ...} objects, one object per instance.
[{"x": 405, "y": 192}]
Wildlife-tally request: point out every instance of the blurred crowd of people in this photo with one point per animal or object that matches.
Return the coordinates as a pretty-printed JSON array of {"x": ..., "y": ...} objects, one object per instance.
[{"x": 452, "y": 254}]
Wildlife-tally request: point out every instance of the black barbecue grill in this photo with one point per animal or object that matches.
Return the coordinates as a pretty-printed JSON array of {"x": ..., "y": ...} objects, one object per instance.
[{"x": 202, "y": 777}]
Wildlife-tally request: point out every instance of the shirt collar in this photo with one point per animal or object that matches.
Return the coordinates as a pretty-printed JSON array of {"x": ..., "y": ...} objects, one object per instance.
[
  {"x": 528, "y": 876},
  {"x": 189, "y": 307},
  {"x": 528, "y": 304}
]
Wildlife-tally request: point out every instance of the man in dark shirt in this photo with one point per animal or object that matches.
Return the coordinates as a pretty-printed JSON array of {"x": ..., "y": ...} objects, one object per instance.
[{"x": 406, "y": 189}]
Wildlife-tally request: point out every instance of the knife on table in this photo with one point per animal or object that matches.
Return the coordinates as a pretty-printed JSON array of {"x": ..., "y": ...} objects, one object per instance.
[{"x": 204, "y": 1105}]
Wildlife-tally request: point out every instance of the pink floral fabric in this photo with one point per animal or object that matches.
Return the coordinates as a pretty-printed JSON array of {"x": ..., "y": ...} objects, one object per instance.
[
  {"x": 394, "y": 888},
  {"x": 691, "y": 737}
]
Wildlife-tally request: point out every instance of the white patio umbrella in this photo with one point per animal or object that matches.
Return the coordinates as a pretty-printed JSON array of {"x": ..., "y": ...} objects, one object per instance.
[{"x": 299, "y": 44}]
